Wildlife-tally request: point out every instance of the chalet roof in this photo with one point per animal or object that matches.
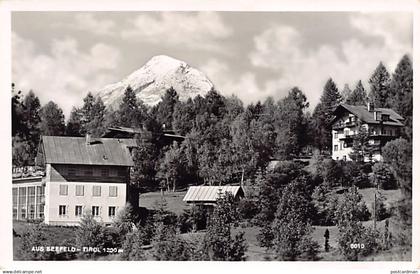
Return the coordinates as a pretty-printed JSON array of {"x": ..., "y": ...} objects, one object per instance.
[
  {"x": 75, "y": 150},
  {"x": 209, "y": 194},
  {"x": 368, "y": 117}
]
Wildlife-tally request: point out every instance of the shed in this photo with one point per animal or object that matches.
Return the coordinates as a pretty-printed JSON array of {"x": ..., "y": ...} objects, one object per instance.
[{"x": 209, "y": 194}]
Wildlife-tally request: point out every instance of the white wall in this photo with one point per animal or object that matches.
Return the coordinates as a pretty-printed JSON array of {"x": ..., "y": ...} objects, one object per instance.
[{"x": 54, "y": 200}]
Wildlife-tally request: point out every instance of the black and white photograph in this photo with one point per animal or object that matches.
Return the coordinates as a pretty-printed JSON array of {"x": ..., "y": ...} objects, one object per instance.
[{"x": 208, "y": 135}]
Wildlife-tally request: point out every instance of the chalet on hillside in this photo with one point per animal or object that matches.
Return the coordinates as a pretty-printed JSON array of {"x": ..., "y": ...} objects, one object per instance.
[{"x": 381, "y": 124}]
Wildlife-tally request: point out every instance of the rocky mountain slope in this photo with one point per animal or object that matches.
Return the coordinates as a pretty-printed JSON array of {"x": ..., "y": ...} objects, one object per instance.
[{"x": 152, "y": 80}]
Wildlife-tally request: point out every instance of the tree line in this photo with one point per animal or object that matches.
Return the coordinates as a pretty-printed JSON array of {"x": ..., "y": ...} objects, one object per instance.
[{"x": 225, "y": 141}]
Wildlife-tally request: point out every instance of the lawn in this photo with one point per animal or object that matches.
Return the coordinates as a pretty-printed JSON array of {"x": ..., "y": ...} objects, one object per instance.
[{"x": 173, "y": 200}]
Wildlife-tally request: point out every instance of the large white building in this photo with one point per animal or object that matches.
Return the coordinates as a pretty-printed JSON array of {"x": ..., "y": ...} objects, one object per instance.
[
  {"x": 82, "y": 175},
  {"x": 381, "y": 124}
]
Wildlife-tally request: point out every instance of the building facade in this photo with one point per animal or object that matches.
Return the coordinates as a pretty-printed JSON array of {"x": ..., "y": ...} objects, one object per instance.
[
  {"x": 82, "y": 175},
  {"x": 380, "y": 124}
]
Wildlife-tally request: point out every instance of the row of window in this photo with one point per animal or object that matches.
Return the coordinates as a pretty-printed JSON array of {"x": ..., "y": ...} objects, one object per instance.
[
  {"x": 90, "y": 171},
  {"x": 78, "y": 211},
  {"x": 96, "y": 190},
  {"x": 385, "y": 132}
]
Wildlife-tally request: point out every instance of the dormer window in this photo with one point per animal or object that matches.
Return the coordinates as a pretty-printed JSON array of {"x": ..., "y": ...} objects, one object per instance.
[{"x": 385, "y": 117}]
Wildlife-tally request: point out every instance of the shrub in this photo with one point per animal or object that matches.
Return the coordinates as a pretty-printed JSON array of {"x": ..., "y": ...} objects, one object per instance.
[
  {"x": 168, "y": 246},
  {"x": 383, "y": 176},
  {"x": 355, "y": 174},
  {"x": 325, "y": 203},
  {"x": 351, "y": 208},
  {"x": 90, "y": 233},
  {"x": 248, "y": 208},
  {"x": 292, "y": 225},
  {"x": 33, "y": 236},
  {"x": 218, "y": 243},
  {"x": 193, "y": 219},
  {"x": 132, "y": 246},
  {"x": 355, "y": 240}
]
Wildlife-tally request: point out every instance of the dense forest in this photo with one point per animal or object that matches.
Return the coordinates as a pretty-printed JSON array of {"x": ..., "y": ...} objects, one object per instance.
[
  {"x": 225, "y": 140},
  {"x": 228, "y": 143}
]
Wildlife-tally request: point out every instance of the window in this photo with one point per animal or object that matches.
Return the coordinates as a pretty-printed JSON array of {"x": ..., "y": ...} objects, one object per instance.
[
  {"x": 88, "y": 171},
  {"x": 95, "y": 211},
  {"x": 63, "y": 190},
  {"x": 105, "y": 172},
  {"x": 96, "y": 191},
  {"x": 40, "y": 200},
  {"x": 78, "y": 211},
  {"x": 335, "y": 147},
  {"x": 344, "y": 158},
  {"x": 111, "y": 211},
  {"x": 385, "y": 117},
  {"x": 80, "y": 190},
  {"x": 15, "y": 202},
  {"x": 113, "y": 191},
  {"x": 22, "y": 202},
  {"x": 71, "y": 171},
  {"x": 62, "y": 210},
  {"x": 31, "y": 202},
  {"x": 341, "y": 146},
  {"x": 335, "y": 135}
]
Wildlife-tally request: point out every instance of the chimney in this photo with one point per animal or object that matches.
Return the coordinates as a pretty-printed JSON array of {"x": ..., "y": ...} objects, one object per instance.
[
  {"x": 88, "y": 139},
  {"x": 370, "y": 107}
]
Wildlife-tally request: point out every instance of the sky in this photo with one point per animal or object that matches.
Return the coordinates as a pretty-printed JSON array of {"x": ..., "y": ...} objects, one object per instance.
[{"x": 63, "y": 55}]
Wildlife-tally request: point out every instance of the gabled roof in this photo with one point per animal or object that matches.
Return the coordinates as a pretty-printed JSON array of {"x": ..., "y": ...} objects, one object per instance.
[
  {"x": 75, "y": 150},
  {"x": 209, "y": 194},
  {"x": 368, "y": 117}
]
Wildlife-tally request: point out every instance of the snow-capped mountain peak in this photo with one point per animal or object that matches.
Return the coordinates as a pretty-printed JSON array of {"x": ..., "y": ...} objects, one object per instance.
[{"x": 152, "y": 80}]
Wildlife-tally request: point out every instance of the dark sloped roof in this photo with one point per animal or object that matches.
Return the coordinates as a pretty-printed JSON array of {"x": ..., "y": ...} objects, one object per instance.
[
  {"x": 210, "y": 193},
  {"x": 364, "y": 115},
  {"x": 75, "y": 150}
]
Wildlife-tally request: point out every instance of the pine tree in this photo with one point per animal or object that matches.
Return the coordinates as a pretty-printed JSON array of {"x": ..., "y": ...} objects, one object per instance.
[
  {"x": 52, "y": 120},
  {"x": 358, "y": 96},
  {"x": 131, "y": 112},
  {"x": 290, "y": 127},
  {"x": 402, "y": 88},
  {"x": 86, "y": 113},
  {"x": 97, "y": 125},
  {"x": 165, "y": 108},
  {"x": 292, "y": 225},
  {"x": 30, "y": 115},
  {"x": 380, "y": 89},
  {"x": 172, "y": 166},
  {"x": 74, "y": 127},
  {"x": 323, "y": 115}
]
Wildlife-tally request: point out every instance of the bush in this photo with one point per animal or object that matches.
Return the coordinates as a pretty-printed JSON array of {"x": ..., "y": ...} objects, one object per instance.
[
  {"x": 168, "y": 246},
  {"x": 355, "y": 240},
  {"x": 381, "y": 211},
  {"x": 355, "y": 174},
  {"x": 351, "y": 208},
  {"x": 248, "y": 208},
  {"x": 33, "y": 236},
  {"x": 193, "y": 219},
  {"x": 132, "y": 246},
  {"x": 325, "y": 203},
  {"x": 218, "y": 243},
  {"x": 383, "y": 176},
  {"x": 90, "y": 233}
]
